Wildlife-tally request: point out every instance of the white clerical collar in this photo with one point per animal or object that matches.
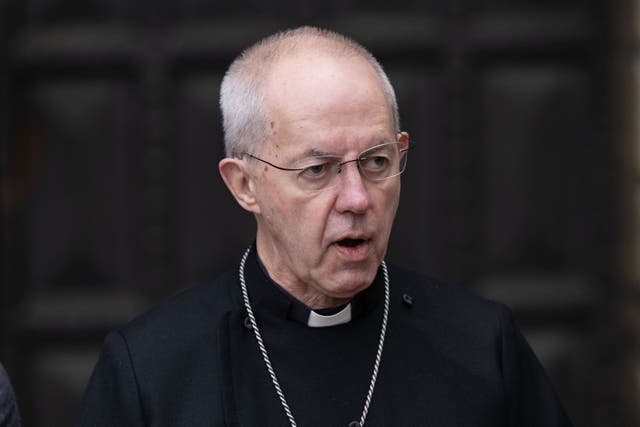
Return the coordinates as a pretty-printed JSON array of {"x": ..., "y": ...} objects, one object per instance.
[{"x": 317, "y": 320}]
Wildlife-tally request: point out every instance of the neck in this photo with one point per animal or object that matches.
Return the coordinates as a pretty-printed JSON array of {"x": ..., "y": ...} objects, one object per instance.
[
  {"x": 300, "y": 290},
  {"x": 322, "y": 303}
]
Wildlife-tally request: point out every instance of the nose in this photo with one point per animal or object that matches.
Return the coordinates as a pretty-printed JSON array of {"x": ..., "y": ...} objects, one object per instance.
[{"x": 353, "y": 195}]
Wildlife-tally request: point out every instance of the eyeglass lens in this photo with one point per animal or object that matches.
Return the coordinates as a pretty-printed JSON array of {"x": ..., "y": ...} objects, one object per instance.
[{"x": 376, "y": 164}]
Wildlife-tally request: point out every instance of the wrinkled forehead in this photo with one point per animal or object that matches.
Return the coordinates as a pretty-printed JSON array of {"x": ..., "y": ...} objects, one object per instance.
[
  {"x": 337, "y": 97},
  {"x": 310, "y": 80}
]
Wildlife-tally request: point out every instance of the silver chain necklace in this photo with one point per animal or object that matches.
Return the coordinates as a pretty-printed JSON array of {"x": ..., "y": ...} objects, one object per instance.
[{"x": 267, "y": 361}]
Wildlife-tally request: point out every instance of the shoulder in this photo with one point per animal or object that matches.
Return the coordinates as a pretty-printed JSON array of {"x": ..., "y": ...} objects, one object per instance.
[
  {"x": 460, "y": 326},
  {"x": 174, "y": 348},
  {"x": 448, "y": 305},
  {"x": 183, "y": 316},
  {"x": 436, "y": 292}
]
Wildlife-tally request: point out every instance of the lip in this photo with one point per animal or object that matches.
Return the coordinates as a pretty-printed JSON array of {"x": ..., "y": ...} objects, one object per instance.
[{"x": 353, "y": 253}]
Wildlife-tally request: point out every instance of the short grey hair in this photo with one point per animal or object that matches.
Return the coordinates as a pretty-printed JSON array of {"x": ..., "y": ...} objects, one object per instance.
[{"x": 242, "y": 91}]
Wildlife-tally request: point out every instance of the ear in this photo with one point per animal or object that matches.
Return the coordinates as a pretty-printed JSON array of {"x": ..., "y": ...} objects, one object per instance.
[
  {"x": 239, "y": 182},
  {"x": 403, "y": 139}
]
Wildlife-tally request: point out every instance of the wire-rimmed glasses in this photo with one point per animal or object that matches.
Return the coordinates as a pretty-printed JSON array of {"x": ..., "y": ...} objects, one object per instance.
[{"x": 317, "y": 173}]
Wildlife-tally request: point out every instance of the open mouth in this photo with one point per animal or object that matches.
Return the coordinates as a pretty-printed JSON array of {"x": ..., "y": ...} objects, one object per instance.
[{"x": 350, "y": 243}]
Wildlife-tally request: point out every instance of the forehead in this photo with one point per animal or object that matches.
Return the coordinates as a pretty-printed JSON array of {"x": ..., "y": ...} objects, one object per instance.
[{"x": 323, "y": 100}]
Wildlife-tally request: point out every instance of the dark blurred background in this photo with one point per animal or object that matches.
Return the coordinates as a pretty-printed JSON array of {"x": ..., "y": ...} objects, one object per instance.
[{"x": 524, "y": 186}]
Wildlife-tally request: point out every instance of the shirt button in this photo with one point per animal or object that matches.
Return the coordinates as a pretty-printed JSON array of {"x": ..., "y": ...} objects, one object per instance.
[
  {"x": 247, "y": 323},
  {"x": 407, "y": 300}
]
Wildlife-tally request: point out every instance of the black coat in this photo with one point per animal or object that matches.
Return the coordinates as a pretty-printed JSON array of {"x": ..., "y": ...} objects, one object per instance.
[{"x": 450, "y": 359}]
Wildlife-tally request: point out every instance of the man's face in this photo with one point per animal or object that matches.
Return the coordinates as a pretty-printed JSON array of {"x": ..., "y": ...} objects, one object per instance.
[{"x": 324, "y": 246}]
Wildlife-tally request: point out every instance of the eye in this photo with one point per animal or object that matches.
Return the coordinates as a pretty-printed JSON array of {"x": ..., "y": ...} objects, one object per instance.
[
  {"x": 375, "y": 163},
  {"x": 317, "y": 170}
]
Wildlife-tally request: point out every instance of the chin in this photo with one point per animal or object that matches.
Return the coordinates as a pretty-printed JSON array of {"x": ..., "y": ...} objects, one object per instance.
[{"x": 353, "y": 283}]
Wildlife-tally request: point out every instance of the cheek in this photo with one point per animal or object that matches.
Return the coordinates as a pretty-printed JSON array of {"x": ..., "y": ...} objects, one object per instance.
[
  {"x": 312, "y": 217},
  {"x": 388, "y": 207},
  {"x": 392, "y": 205},
  {"x": 276, "y": 214},
  {"x": 300, "y": 220},
  {"x": 387, "y": 200}
]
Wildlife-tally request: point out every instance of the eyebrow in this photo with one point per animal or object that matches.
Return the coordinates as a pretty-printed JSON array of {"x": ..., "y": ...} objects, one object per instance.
[{"x": 312, "y": 152}]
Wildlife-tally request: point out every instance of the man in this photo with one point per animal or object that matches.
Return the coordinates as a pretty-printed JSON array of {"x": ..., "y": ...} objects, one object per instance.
[
  {"x": 313, "y": 328},
  {"x": 9, "y": 415}
]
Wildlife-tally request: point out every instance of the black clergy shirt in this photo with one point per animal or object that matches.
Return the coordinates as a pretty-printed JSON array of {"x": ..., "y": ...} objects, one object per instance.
[{"x": 449, "y": 359}]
